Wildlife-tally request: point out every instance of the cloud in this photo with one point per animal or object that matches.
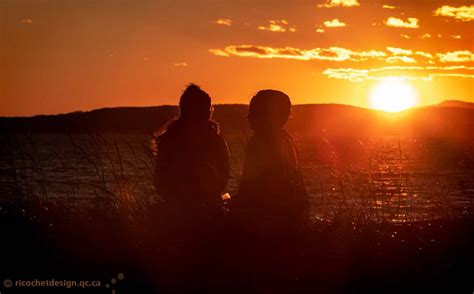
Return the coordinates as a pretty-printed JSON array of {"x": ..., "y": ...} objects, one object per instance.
[
  {"x": 405, "y": 36},
  {"x": 403, "y": 59},
  {"x": 219, "y": 52},
  {"x": 399, "y": 72},
  {"x": 399, "y": 51},
  {"x": 456, "y": 36},
  {"x": 339, "y": 3},
  {"x": 464, "y": 13},
  {"x": 391, "y": 55},
  {"x": 424, "y": 54},
  {"x": 180, "y": 64},
  {"x": 223, "y": 21},
  {"x": 328, "y": 54},
  {"x": 400, "y": 55},
  {"x": 26, "y": 21},
  {"x": 388, "y": 7},
  {"x": 353, "y": 75},
  {"x": 426, "y": 36},
  {"x": 277, "y": 26},
  {"x": 456, "y": 56},
  {"x": 411, "y": 23},
  {"x": 335, "y": 23},
  {"x": 406, "y": 55}
]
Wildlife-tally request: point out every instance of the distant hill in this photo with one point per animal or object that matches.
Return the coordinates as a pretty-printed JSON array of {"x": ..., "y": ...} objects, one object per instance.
[
  {"x": 306, "y": 120},
  {"x": 456, "y": 103},
  {"x": 343, "y": 120},
  {"x": 118, "y": 120}
]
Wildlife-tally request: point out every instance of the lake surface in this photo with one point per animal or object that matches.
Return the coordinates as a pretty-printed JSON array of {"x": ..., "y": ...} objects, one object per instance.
[{"x": 391, "y": 178}]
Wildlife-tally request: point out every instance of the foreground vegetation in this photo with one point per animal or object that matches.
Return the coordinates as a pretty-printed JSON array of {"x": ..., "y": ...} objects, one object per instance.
[{"x": 360, "y": 238}]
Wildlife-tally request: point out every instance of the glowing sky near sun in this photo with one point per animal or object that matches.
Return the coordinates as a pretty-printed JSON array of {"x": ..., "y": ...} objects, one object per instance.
[{"x": 67, "y": 55}]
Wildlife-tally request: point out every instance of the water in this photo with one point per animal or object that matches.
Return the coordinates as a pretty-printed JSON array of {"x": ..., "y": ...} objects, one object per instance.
[{"x": 391, "y": 178}]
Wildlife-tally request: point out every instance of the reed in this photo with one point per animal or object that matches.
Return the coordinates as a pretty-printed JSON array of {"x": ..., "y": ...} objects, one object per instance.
[{"x": 112, "y": 176}]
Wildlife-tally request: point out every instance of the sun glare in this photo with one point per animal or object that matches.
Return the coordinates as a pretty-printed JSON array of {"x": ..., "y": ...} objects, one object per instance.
[{"x": 393, "y": 96}]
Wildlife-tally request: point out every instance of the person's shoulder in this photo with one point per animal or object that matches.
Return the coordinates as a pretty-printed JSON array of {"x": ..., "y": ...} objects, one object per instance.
[
  {"x": 168, "y": 133},
  {"x": 213, "y": 131},
  {"x": 288, "y": 141}
]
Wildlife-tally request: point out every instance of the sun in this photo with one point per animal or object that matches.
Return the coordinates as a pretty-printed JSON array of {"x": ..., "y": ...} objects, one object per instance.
[{"x": 393, "y": 96}]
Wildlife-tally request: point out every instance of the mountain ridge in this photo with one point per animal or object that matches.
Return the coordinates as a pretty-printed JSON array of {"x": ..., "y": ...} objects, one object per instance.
[{"x": 306, "y": 119}]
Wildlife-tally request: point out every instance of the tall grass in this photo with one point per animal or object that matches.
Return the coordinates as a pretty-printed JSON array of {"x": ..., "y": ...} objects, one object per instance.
[
  {"x": 95, "y": 179},
  {"x": 110, "y": 176}
]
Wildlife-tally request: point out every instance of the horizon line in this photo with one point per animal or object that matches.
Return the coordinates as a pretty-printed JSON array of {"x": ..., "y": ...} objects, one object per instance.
[{"x": 223, "y": 104}]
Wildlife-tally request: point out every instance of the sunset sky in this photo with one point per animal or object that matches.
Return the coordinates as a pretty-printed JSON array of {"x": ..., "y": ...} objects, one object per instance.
[{"x": 61, "y": 56}]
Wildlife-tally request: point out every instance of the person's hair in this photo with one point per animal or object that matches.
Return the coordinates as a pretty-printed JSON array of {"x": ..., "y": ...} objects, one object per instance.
[
  {"x": 195, "y": 104},
  {"x": 272, "y": 105}
]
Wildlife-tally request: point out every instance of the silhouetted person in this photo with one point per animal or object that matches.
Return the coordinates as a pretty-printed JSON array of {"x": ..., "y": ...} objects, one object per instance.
[
  {"x": 272, "y": 197},
  {"x": 192, "y": 166},
  {"x": 192, "y": 170}
]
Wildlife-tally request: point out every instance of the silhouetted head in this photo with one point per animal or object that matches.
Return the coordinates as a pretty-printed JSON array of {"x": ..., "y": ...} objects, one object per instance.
[
  {"x": 195, "y": 104},
  {"x": 269, "y": 110}
]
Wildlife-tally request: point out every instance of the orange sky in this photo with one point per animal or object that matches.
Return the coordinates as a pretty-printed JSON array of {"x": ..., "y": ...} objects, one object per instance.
[{"x": 65, "y": 55}]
